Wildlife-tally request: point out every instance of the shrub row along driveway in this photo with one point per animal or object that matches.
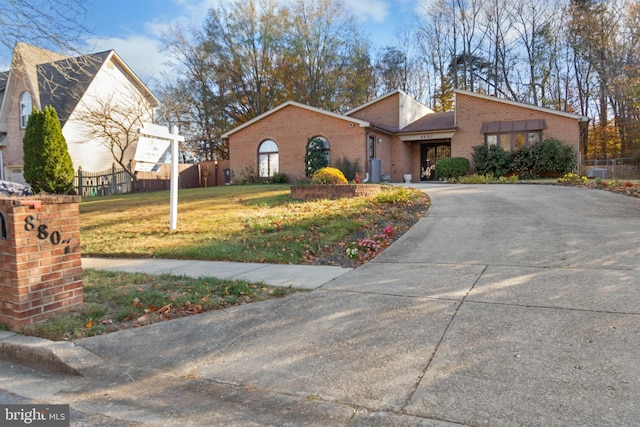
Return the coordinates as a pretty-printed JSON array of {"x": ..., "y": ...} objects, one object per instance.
[{"x": 507, "y": 305}]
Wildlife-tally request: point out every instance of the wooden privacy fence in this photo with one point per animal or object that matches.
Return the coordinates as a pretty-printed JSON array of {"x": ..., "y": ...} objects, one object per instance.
[{"x": 118, "y": 181}]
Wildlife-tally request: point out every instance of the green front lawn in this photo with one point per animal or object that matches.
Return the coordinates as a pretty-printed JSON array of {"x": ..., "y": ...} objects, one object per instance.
[{"x": 253, "y": 223}]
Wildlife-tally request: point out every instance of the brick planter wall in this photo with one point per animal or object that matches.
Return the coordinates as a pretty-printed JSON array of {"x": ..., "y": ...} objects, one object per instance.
[
  {"x": 40, "y": 259},
  {"x": 315, "y": 192}
]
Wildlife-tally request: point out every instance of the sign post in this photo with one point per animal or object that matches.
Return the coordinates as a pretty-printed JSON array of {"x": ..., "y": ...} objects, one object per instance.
[{"x": 149, "y": 153}]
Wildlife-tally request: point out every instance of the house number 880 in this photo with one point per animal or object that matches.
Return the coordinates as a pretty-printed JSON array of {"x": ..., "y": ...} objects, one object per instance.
[{"x": 43, "y": 234}]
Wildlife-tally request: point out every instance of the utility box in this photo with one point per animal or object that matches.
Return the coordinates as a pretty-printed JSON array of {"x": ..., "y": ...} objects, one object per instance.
[
  {"x": 374, "y": 169},
  {"x": 40, "y": 258}
]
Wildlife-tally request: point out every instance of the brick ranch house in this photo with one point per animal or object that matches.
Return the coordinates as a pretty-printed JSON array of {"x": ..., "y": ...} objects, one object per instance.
[{"x": 406, "y": 135}]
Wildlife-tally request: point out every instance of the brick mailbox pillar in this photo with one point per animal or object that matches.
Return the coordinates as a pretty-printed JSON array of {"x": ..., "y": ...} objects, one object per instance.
[{"x": 40, "y": 259}]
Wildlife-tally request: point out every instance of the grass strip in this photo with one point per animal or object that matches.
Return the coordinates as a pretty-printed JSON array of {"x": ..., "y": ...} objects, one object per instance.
[{"x": 115, "y": 301}]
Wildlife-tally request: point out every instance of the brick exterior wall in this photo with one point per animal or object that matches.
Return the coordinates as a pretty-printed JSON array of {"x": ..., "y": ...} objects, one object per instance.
[
  {"x": 393, "y": 112},
  {"x": 316, "y": 192},
  {"x": 12, "y": 153},
  {"x": 40, "y": 260},
  {"x": 384, "y": 112},
  {"x": 472, "y": 112},
  {"x": 291, "y": 128}
]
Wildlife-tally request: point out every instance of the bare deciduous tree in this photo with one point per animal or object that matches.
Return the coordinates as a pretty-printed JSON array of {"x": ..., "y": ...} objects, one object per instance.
[
  {"x": 114, "y": 121},
  {"x": 56, "y": 25}
]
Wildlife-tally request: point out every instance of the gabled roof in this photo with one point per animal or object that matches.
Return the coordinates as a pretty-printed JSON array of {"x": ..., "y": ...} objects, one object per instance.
[
  {"x": 62, "y": 83},
  {"x": 409, "y": 110},
  {"x": 25, "y": 60},
  {"x": 523, "y": 105},
  {"x": 359, "y": 122}
]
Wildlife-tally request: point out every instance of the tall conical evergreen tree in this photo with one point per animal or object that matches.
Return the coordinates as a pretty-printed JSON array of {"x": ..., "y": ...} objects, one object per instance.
[{"x": 47, "y": 164}]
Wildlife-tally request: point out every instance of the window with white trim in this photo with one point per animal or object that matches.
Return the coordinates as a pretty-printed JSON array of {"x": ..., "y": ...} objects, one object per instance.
[
  {"x": 25, "y": 109},
  {"x": 268, "y": 159}
]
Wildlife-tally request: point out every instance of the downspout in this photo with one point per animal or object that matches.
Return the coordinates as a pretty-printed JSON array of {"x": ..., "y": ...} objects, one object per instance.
[{"x": 366, "y": 156}]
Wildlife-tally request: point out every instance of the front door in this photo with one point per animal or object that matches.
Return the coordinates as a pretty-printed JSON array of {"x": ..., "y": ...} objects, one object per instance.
[{"x": 430, "y": 154}]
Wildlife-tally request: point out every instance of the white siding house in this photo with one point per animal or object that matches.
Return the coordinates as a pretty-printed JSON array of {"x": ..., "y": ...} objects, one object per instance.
[{"x": 73, "y": 86}]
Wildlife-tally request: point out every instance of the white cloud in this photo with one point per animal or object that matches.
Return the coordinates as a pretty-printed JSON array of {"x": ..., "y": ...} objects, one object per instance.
[
  {"x": 369, "y": 10},
  {"x": 141, "y": 53}
]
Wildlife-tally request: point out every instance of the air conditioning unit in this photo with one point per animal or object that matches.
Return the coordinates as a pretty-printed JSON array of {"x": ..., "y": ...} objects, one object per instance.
[{"x": 597, "y": 173}]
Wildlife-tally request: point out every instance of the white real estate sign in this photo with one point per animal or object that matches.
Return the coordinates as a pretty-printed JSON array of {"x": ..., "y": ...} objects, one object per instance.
[
  {"x": 146, "y": 167},
  {"x": 151, "y": 150},
  {"x": 162, "y": 132}
]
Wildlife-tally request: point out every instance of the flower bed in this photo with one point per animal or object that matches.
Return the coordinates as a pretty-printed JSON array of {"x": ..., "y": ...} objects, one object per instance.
[{"x": 315, "y": 192}]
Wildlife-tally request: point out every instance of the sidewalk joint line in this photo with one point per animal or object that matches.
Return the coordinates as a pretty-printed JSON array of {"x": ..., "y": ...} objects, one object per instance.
[{"x": 440, "y": 341}]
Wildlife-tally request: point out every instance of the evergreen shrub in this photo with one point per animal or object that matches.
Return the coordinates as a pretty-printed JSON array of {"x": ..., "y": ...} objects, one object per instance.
[
  {"x": 490, "y": 160},
  {"x": 316, "y": 156},
  {"x": 553, "y": 158},
  {"x": 348, "y": 168},
  {"x": 452, "y": 167},
  {"x": 279, "y": 178},
  {"x": 47, "y": 164}
]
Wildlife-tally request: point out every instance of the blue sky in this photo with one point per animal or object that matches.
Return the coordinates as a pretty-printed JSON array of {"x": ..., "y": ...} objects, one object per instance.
[{"x": 133, "y": 27}]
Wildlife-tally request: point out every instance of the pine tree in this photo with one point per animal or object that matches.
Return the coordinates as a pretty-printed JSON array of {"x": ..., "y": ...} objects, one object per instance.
[{"x": 47, "y": 164}]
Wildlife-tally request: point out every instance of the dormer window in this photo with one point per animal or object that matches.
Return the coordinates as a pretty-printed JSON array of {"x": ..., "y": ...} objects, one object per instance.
[{"x": 25, "y": 109}]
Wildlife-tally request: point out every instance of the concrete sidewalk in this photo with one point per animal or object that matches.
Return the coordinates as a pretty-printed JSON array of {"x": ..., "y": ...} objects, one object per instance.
[
  {"x": 507, "y": 305},
  {"x": 298, "y": 276}
]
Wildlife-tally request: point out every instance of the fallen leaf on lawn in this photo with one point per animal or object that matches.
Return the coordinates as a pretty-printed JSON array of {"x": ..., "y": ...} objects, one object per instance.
[
  {"x": 165, "y": 308},
  {"x": 143, "y": 318},
  {"x": 89, "y": 324},
  {"x": 150, "y": 309}
]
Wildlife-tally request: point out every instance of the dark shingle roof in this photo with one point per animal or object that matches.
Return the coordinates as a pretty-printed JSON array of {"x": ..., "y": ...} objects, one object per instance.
[
  {"x": 4, "y": 76},
  {"x": 431, "y": 122},
  {"x": 63, "y": 83}
]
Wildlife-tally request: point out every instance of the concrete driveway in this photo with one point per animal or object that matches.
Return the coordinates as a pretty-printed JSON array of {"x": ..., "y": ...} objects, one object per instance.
[{"x": 507, "y": 305}]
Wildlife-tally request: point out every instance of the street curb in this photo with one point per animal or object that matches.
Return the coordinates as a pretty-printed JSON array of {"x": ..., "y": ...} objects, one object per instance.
[{"x": 63, "y": 357}]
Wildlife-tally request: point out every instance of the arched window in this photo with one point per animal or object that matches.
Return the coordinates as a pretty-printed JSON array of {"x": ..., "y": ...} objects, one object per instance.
[
  {"x": 317, "y": 155},
  {"x": 267, "y": 159},
  {"x": 25, "y": 109},
  {"x": 320, "y": 144}
]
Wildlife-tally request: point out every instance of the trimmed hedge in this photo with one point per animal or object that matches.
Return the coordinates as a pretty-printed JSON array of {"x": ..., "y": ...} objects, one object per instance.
[
  {"x": 452, "y": 167},
  {"x": 491, "y": 160},
  {"x": 546, "y": 158}
]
